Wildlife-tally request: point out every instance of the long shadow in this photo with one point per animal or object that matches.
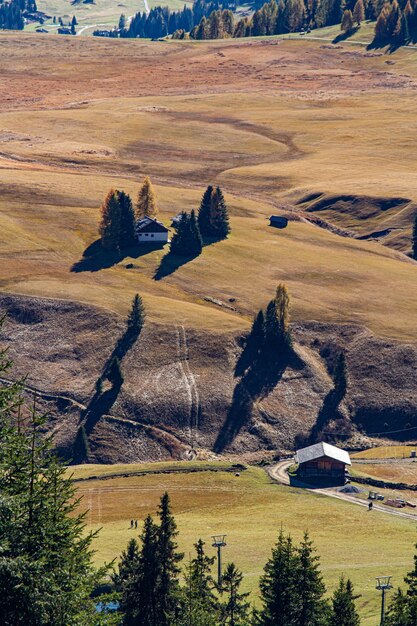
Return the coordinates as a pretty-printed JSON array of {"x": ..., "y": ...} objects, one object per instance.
[
  {"x": 344, "y": 36},
  {"x": 170, "y": 263},
  {"x": 328, "y": 412},
  {"x": 96, "y": 258},
  {"x": 101, "y": 406},
  {"x": 257, "y": 383}
]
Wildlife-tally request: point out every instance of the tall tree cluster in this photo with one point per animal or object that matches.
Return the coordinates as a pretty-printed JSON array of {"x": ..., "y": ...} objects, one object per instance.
[
  {"x": 118, "y": 216},
  {"x": 213, "y": 215},
  {"x": 271, "y": 18},
  {"x": 12, "y": 13},
  {"x": 161, "y": 21},
  {"x": 396, "y": 23}
]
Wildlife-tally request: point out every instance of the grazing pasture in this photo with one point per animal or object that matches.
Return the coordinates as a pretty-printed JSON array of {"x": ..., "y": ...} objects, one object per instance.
[{"x": 250, "y": 509}]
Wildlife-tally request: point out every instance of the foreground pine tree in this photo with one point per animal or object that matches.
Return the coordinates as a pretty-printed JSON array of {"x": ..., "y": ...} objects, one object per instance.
[
  {"x": 199, "y": 605},
  {"x": 169, "y": 558},
  {"x": 343, "y": 611},
  {"x": 414, "y": 239},
  {"x": 46, "y": 571},
  {"x": 146, "y": 205},
  {"x": 292, "y": 590},
  {"x": 110, "y": 222},
  {"x": 234, "y": 609}
]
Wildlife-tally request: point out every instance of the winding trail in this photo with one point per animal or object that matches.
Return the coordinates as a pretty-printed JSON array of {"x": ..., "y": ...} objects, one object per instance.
[{"x": 279, "y": 474}]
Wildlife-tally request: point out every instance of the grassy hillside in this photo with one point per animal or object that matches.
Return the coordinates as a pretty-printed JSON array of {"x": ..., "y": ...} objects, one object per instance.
[{"x": 250, "y": 510}]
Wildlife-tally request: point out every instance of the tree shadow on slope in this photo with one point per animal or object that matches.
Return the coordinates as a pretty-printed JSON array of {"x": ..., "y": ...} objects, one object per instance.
[
  {"x": 345, "y": 35},
  {"x": 96, "y": 258},
  {"x": 257, "y": 382},
  {"x": 102, "y": 401},
  {"x": 170, "y": 263},
  {"x": 101, "y": 405}
]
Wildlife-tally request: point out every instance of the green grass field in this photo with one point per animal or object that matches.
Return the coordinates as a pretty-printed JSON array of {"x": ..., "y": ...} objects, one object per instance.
[
  {"x": 385, "y": 452},
  {"x": 250, "y": 509}
]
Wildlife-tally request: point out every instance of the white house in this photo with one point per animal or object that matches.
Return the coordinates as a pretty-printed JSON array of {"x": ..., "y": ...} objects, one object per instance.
[{"x": 149, "y": 230}]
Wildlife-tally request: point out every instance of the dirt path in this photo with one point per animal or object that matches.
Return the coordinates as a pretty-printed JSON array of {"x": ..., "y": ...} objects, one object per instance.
[
  {"x": 279, "y": 474},
  {"x": 189, "y": 382}
]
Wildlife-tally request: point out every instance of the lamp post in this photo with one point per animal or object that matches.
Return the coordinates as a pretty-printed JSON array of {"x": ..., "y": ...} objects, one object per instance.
[
  {"x": 219, "y": 541},
  {"x": 383, "y": 584}
]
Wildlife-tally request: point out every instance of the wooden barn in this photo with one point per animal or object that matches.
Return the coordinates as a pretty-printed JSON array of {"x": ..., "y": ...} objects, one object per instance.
[{"x": 323, "y": 462}]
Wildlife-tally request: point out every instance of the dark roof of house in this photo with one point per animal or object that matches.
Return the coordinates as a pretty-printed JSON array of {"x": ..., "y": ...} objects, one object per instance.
[
  {"x": 319, "y": 450},
  {"x": 150, "y": 225}
]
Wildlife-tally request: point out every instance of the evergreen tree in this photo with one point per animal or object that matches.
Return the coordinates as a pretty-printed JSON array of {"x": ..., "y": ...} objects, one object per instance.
[
  {"x": 187, "y": 240},
  {"x": 347, "y": 22},
  {"x": 340, "y": 377},
  {"x": 127, "y": 236},
  {"x": 168, "y": 588},
  {"x": 146, "y": 205},
  {"x": 114, "y": 373},
  {"x": 46, "y": 572},
  {"x": 279, "y": 586},
  {"x": 137, "y": 315},
  {"x": 204, "y": 212},
  {"x": 235, "y": 609},
  {"x": 137, "y": 579},
  {"x": 358, "y": 12},
  {"x": 81, "y": 448},
  {"x": 313, "y": 608},
  {"x": 122, "y": 22},
  {"x": 219, "y": 217},
  {"x": 200, "y": 605},
  {"x": 110, "y": 222},
  {"x": 343, "y": 605},
  {"x": 277, "y": 332},
  {"x": 414, "y": 239}
]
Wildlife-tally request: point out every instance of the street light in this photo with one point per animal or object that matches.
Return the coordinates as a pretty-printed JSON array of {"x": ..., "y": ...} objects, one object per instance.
[
  {"x": 219, "y": 541},
  {"x": 383, "y": 584}
]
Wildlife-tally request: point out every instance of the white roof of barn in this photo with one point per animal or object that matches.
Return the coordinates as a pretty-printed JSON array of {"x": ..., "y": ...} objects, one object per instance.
[{"x": 318, "y": 450}]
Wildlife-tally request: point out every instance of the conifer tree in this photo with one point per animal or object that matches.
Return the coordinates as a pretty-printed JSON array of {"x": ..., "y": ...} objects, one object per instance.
[
  {"x": 313, "y": 608},
  {"x": 277, "y": 331},
  {"x": 137, "y": 579},
  {"x": 187, "y": 240},
  {"x": 347, "y": 22},
  {"x": 414, "y": 239},
  {"x": 343, "y": 605},
  {"x": 358, "y": 12},
  {"x": 46, "y": 572},
  {"x": 136, "y": 318},
  {"x": 110, "y": 222},
  {"x": 204, "y": 212},
  {"x": 114, "y": 373},
  {"x": 146, "y": 205},
  {"x": 81, "y": 448},
  {"x": 279, "y": 586},
  {"x": 168, "y": 558},
  {"x": 235, "y": 607},
  {"x": 127, "y": 237},
  {"x": 219, "y": 217},
  {"x": 200, "y": 605}
]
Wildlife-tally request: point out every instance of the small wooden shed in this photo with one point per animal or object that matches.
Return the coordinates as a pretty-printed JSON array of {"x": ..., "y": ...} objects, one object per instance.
[
  {"x": 278, "y": 221},
  {"x": 322, "y": 461}
]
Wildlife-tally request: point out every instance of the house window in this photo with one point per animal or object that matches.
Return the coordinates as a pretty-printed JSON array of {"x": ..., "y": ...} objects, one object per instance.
[{"x": 151, "y": 235}]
